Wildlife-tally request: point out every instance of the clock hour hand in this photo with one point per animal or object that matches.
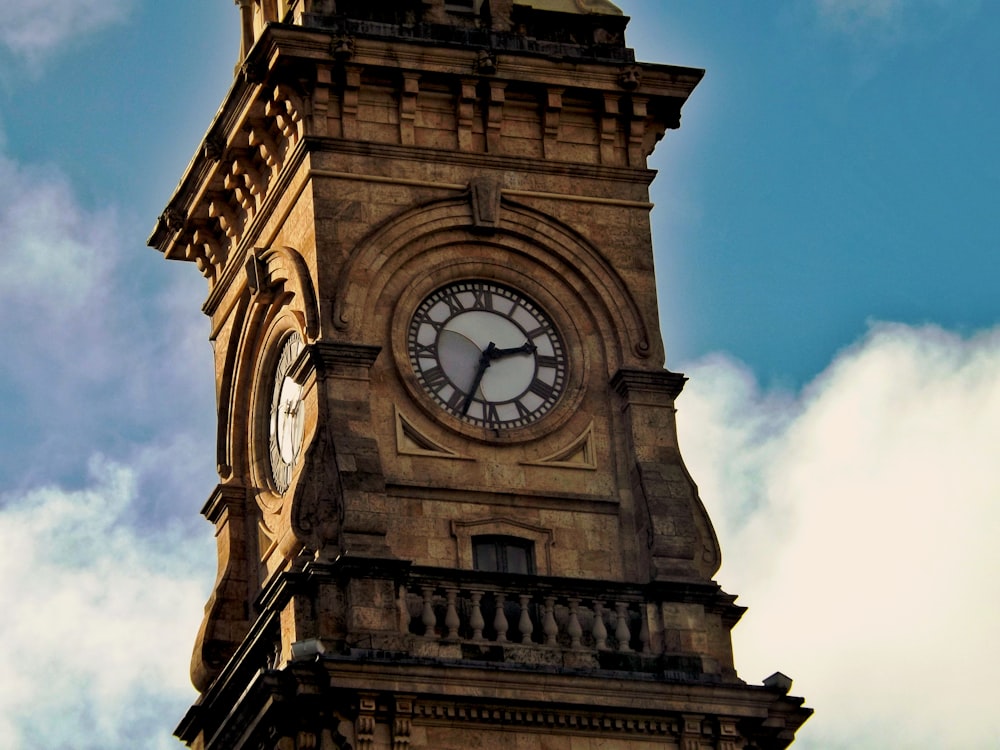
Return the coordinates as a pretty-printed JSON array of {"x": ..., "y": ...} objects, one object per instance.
[{"x": 525, "y": 348}]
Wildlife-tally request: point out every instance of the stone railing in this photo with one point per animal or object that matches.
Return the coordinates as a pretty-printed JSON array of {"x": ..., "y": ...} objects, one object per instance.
[{"x": 525, "y": 619}]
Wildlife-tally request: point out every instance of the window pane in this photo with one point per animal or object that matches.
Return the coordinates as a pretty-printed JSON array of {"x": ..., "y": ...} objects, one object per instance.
[
  {"x": 503, "y": 554},
  {"x": 484, "y": 556},
  {"x": 517, "y": 559}
]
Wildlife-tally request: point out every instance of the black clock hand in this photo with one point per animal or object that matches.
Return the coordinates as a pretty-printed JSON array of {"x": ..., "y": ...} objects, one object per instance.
[
  {"x": 484, "y": 362},
  {"x": 491, "y": 353},
  {"x": 525, "y": 348}
]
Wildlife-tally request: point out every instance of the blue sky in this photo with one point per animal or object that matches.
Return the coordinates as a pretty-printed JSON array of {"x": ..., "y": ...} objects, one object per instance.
[{"x": 826, "y": 238}]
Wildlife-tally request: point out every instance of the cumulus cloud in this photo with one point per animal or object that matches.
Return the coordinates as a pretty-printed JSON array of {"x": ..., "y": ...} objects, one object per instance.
[
  {"x": 106, "y": 565},
  {"x": 858, "y": 521},
  {"x": 33, "y": 29},
  {"x": 103, "y": 617}
]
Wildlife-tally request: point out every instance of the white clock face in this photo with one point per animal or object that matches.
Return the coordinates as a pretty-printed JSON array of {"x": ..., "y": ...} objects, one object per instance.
[
  {"x": 487, "y": 354},
  {"x": 286, "y": 420}
]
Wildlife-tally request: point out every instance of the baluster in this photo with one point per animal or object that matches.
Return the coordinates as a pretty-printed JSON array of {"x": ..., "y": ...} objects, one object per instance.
[
  {"x": 644, "y": 629},
  {"x": 451, "y": 620},
  {"x": 573, "y": 626},
  {"x": 476, "y": 621},
  {"x": 549, "y": 626},
  {"x": 524, "y": 625},
  {"x": 427, "y": 617},
  {"x": 622, "y": 633},
  {"x": 500, "y": 620},
  {"x": 600, "y": 632}
]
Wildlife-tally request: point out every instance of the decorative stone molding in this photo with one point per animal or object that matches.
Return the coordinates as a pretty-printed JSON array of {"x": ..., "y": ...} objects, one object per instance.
[
  {"x": 579, "y": 453},
  {"x": 427, "y": 711},
  {"x": 542, "y": 537},
  {"x": 639, "y": 386},
  {"x": 485, "y": 195},
  {"x": 411, "y": 442},
  {"x": 630, "y": 78}
]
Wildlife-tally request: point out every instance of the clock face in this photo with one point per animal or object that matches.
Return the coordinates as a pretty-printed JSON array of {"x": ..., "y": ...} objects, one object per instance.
[
  {"x": 286, "y": 418},
  {"x": 487, "y": 354}
]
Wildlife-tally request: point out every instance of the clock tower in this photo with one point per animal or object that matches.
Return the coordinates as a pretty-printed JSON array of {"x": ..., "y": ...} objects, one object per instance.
[{"x": 451, "y": 509}]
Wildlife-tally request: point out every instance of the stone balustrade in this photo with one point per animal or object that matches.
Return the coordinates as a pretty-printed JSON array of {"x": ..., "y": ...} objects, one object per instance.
[{"x": 522, "y": 613}]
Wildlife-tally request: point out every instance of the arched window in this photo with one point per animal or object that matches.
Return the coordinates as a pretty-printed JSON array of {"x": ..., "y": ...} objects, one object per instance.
[{"x": 503, "y": 554}]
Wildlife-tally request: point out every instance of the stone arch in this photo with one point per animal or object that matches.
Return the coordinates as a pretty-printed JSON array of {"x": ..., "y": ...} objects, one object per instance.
[
  {"x": 277, "y": 282},
  {"x": 533, "y": 235}
]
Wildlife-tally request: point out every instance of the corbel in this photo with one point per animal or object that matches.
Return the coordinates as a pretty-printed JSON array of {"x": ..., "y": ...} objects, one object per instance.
[
  {"x": 402, "y": 722},
  {"x": 286, "y": 109},
  {"x": 244, "y": 168},
  {"x": 237, "y": 185},
  {"x": 691, "y": 732},
  {"x": 195, "y": 251},
  {"x": 494, "y": 115},
  {"x": 637, "y": 132},
  {"x": 729, "y": 734},
  {"x": 609, "y": 127},
  {"x": 219, "y": 208},
  {"x": 260, "y": 138},
  {"x": 408, "y": 108},
  {"x": 349, "y": 102},
  {"x": 665, "y": 114},
  {"x": 321, "y": 100},
  {"x": 212, "y": 249},
  {"x": 550, "y": 117},
  {"x": 364, "y": 725},
  {"x": 466, "y": 113}
]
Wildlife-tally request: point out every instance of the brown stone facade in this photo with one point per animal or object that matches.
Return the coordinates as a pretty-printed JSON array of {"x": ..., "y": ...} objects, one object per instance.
[{"x": 367, "y": 155}]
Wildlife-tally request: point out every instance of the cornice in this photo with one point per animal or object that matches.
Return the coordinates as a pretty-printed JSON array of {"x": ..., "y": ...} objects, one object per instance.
[
  {"x": 628, "y": 383},
  {"x": 229, "y": 279},
  {"x": 480, "y": 161}
]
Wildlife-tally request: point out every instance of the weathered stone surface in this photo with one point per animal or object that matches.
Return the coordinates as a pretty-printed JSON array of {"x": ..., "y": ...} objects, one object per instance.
[{"x": 368, "y": 154}]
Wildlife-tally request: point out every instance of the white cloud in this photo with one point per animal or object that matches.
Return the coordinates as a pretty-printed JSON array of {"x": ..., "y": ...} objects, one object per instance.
[
  {"x": 104, "y": 577},
  {"x": 100, "y": 619},
  {"x": 858, "y": 521},
  {"x": 34, "y": 29}
]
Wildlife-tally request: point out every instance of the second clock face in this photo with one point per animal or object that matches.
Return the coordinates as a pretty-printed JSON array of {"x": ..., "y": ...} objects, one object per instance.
[
  {"x": 286, "y": 418},
  {"x": 487, "y": 354}
]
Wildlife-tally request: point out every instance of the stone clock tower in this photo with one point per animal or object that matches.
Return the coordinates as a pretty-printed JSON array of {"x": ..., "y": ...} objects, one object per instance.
[{"x": 451, "y": 510}]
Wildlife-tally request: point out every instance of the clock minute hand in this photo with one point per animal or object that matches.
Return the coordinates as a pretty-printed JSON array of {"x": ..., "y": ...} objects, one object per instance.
[{"x": 484, "y": 362}]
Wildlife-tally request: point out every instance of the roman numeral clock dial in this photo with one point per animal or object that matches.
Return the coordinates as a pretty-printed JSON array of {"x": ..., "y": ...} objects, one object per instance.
[
  {"x": 286, "y": 419},
  {"x": 487, "y": 354}
]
